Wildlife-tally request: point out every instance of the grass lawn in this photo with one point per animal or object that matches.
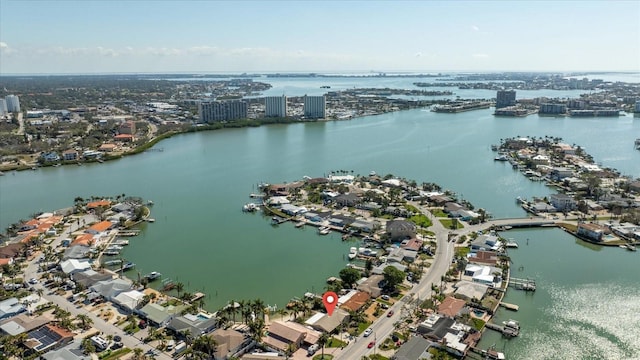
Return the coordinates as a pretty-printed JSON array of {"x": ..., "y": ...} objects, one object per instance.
[
  {"x": 448, "y": 222},
  {"x": 438, "y": 213},
  {"x": 462, "y": 251},
  {"x": 335, "y": 343},
  {"x": 421, "y": 220},
  {"x": 377, "y": 357},
  {"x": 363, "y": 326},
  {"x": 116, "y": 354},
  {"x": 325, "y": 357}
]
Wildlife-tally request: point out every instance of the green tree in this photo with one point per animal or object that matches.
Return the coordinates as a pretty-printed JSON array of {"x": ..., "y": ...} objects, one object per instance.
[
  {"x": 393, "y": 277},
  {"x": 349, "y": 276}
]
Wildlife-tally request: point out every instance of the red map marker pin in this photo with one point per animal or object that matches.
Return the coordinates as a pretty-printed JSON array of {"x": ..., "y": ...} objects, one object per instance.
[{"x": 330, "y": 300}]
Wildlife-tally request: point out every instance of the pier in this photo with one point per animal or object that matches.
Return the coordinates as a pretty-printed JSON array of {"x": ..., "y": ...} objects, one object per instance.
[
  {"x": 512, "y": 307},
  {"x": 128, "y": 233},
  {"x": 510, "y": 329},
  {"x": 523, "y": 284}
]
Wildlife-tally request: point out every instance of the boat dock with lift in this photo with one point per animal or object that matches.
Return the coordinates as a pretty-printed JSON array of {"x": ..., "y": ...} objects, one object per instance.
[
  {"x": 523, "y": 284},
  {"x": 511, "y": 328}
]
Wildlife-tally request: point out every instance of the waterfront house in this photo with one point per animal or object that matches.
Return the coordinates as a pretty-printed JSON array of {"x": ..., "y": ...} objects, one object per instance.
[
  {"x": 452, "y": 207},
  {"x": 485, "y": 242},
  {"x": 84, "y": 239},
  {"x": 72, "y": 351},
  {"x": 542, "y": 207},
  {"x": 311, "y": 336},
  {"x": 159, "y": 315},
  {"x": 98, "y": 203},
  {"x": 89, "y": 277},
  {"x": 47, "y": 337},
  {"x": 128, "y": 300},
  {"x": 356, "y": 301},
  {"x": 486, "y": 275},
  {"x": 400, "y": 229},
  {"x": 559, "y": 173},
  {"x": 99, "y": 227},
  {"x": 440, "y": 199},
  {"x": 483, "y": 257},
  {"x": 451, "y": 307},
  {"x": 108, "y": 147},
  {"x": 76, "y": 252},
  {"x": 70, "y": 155},
  {"x": 470, "y": 290},
  {"x": 379, "y": 270},
  {"x": 447, "y": 331},
  {"x": 328, "y": 323},
  {"x": 412, "y": 244},
  {"x": 415, "y": 348},
  {"x": 371, "y": 285},
  {"x": 363, "y": 226},
  {"x": 563, "y": 202},
  {"x": 591, "y": 231},
  {"x": 109, "y": 289},
  {"x": 196, "y": 324},
  {"x": 22, "y": 323},
  {"x": 50, "y": 156},
  {"x": 10, "y": 307},
  {"x": 280, "y": 336},
  {"x": 71, "y": 266}
]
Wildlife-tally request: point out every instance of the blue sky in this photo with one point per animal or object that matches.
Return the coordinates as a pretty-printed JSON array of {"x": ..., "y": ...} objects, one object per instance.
[{"x": 97, "y": 36}]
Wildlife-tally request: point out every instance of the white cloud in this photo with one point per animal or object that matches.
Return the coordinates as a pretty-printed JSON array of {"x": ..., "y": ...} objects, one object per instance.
[
  {"x": 480, "y": 56},
  {"x": 418, "y": 54},
  {"x": 475, "y": 28}
]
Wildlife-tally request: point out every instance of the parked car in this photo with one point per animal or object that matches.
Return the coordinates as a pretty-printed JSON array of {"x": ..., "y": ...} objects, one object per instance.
[
  {"x": 33, "y": 281},
  {"x": 367, "y": 332},
  {"x": 385, "y": 297},
  {"x": 117, "y": 338},
  {"x": 116, "y": 346},
  {"x": 371, "y": 344},
  {"x": 390, "y": 313}
]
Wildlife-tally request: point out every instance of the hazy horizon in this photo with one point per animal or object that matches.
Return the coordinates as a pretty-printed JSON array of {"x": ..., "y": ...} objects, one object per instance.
[{"x": 148, "y": 36}]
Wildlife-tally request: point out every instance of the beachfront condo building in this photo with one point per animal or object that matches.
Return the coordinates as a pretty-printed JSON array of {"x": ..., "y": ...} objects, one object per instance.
[
  {"x": 214, "y": 111},
  {"x": 13, "y": 103},
  {"x": 505, "y": 98},
  {"x": 275, "y": 106},
  {"x": 315, "y": 107}
]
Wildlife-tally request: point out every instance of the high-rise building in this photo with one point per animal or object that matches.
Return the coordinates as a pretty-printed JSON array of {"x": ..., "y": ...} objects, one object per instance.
[
  {"x": 3, "y": 107},
  {"x": 505, "y": 98},
  {"x": 275, "y": 106},
  {"x": 314, "y": 107},
  {"x": 209, "y": 112},
  {"x": 13, "y": 103}
]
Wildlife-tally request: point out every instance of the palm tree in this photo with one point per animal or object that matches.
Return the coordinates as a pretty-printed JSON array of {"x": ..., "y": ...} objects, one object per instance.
[
  {"x": 259, "y": 308},
  {"x": 137, "y": 354},
  {"x": 322, "y": 341},
  {"x": 256, "y": 329},
  {"x": 84, "y": 320},
  {"x": 179, "y": 287},
  {"x": 205, "y": 344}
]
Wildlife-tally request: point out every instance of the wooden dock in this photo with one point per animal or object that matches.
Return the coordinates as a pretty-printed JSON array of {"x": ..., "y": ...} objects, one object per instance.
[
  {"x": 523, "y": 284},
  {"x": 512, "y": 307},
  {"x": 508, "y": 331}
]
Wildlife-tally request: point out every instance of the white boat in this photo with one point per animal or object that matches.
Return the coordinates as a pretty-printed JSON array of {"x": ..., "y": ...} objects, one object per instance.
[
  {"x": 121, "y": 242},
  {"x": 324, "y": 230},
  {"x": 300, "y": 224},
  {"x": 353, "y": 252},
  {"x": 111, "y": 253},
  {"x": 250, "y": 207},
  {"x": 114, "y": 248},
  {"x": 511, "y": 244},
  {"x": 152, "y": 275},
  {"x": 151, "y": 220}
]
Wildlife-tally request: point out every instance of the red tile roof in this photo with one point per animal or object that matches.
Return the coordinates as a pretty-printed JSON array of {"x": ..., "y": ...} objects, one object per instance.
[{"x": 451, "y": 306}]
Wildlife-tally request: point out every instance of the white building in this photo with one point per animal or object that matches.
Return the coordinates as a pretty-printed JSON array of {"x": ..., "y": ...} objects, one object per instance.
[
  {"x": 13, "y": 103},
  {"x": 275, "y": 106},
  {"x": 3, "y": 107},
  {"x": 315, "y": 107},
  {"x": 222, "y": 111}
]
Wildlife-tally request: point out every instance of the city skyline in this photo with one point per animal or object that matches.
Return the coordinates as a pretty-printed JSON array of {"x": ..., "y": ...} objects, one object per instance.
[{"x": 43, "y": 37}]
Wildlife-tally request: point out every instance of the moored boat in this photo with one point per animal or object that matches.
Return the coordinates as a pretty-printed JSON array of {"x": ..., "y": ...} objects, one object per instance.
[
  {"x": 353, "y": 252},
  {"x": 324, "y": 230},
  {"x": 152, "y": 276}
]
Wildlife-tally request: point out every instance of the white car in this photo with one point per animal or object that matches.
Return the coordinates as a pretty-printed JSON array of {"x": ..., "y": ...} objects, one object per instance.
[
  {"x": 33, "y": 281},
  {"x": 367, "y": 332}
]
